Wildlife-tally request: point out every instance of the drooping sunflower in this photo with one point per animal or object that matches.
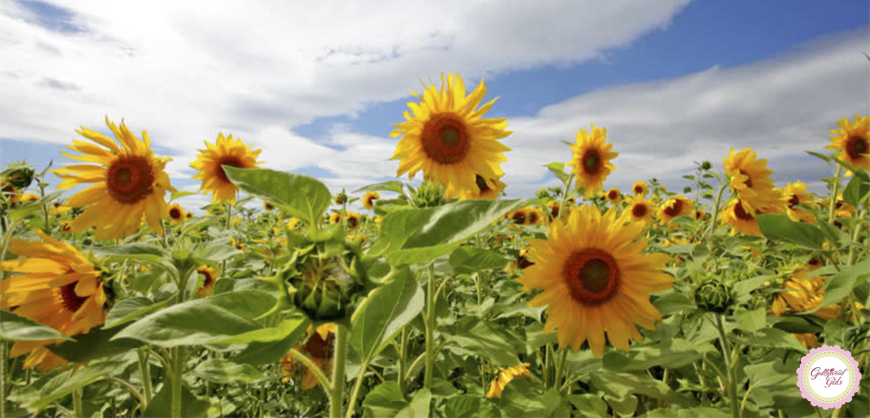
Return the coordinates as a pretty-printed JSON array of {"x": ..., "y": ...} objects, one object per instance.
[
  {"x": 58, "y": 286},
  {"x": 750, "y": 179},
  {"x": 796, "y": 194},
  {"x": 614, "y": 195},
  {"x": 700, "y": 214},
  {"x": 176, "y": 213},
  {"x": 448, "y": 139},
  {"x": 853, "y": 139},
  {"x": 595, "y": 279},
  {"x": 735, "y": 214},
  {"x": 640, "y": 188},
  {"x": 319, "y": 349},
  {"x": 129, "y": 182},
  {"x": 369, "y": 199},
  {"x": 209, "y": 277},
  {"x": 505, "y": 376},
  {"x": 673, "y": 207},
  {"x": 485, "y": 190},
  {"x": 591, "y": 160},
  {"x": 641, "y": 210},
  {"x": 802, "y": 292},
  {"x": 225, "y": 151}
]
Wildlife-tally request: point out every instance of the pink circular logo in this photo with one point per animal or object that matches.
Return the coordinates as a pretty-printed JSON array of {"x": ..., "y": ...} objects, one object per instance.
[{"x": 828, "y": 376}]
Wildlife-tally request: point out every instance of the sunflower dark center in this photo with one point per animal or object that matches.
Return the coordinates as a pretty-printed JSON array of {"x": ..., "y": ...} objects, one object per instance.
[
  {"x": 741, "y": 213},
  {"x": 175, "y": 213},
  {"x": 130, "y": 179},
  {"x": 481, "y": 184},
  {"x": 445, "y": 139},
  {"x": 591, "y": 162},
  {"x": 532, "y": 218},
  {"x": 592, "y": 276},
  {"x": 793, "y": 201},
  {"x": 675, "y": 208},
  {"x": 71, "y": 301},
  {"x": 352, "y": 222},
  {"x": 748, "y": 181},
  {"x": 231, "y": 161},
  {"x": 613, "y": 195},
  {"x": 638, "y": 189},
  {"x": 856, "y": 146},
  {"x": 519, "y": 218},
  {"x": 318, "y": 347},
  {"x": 639, "y": 210},
  {"x": 207, "y": 278}
]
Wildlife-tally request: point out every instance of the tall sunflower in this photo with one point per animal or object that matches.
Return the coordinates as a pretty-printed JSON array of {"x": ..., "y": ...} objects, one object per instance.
[
  {"x": 129, "y": 182},
  {"x": 176, "y": 213},
  {"x": 750, "y": 179},
  {"x": 595, "y": 279},
  {"x": 369, "y": 199},
  {"x": 641, "y": 210},
  {"x": 485, "y": 189},
  {"x": 640, "y": 188},
  {"x": 802, "y": 292},
  {"x": 853, "y": 141},
  {"x": 448, "y": 139},
  {"x": 57, "y": 286},
  {"x": 225, "y": 151},
  {"x": 735, "y": 214},
  {"x": 673, "y": 207},
  {"x": 796, "y": 194},
  {"x": 591, "y": 160},
  {"x": 614, "y": 196}
]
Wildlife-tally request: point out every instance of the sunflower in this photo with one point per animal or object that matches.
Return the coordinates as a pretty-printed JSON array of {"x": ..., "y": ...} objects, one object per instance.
[
  {"x": 369, "y": 199},
  {"x": 614, "y": 196},
  {"x": 334, "y": 218},
  {"x": 268, "y": 206},
  {"x": 319, "y": 349},
  {"x": 796, "y": 194},
  {"x": 673, "y": 207},
  {"x": 640, "y": 188},
  {"x": 485, "y": 189},
  {"x": 854, "y": 142},
  {"x": 595, "y": 279},
  {"x": 129, "y": 183},
  {"x": 592, "y": 160},
  {"x": 29, "y": 197},
  {"x": 66, "y": 227},
  {"x": 341, "y": 198},
  {"x": 176, "y": 213},
  {"x": 353, "y": 220},
  {"x": 209, "y": 277},
  {"x": 554, "y": 207},
  {"x": 448, "y": 139},
  {"x": 58, "y": 287},
  {"x": 533, "y": 216},
  {"x": 518, "y": 216},
  {"x": 641, "y": 210},
  {"x": 750, "y": 179},
  {"x": 292, "y": 223},
  {"x": 735, "y": 214},
  {"x": 505, "y": 376},
  {"x": 188, "y": 215},
  {"x": 801, "y": 293},
  {"x": 225, "y": 151},
  {"x": 700, "y": 214}
]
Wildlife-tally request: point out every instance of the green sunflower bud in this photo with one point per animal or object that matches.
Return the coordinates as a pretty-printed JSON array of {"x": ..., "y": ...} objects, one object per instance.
[
  {"x": 429, "y": 195},
  {"x": 714, "y": 296},
  {"x": 19, "y": 175},
  {"x": 324, "y": 276}
]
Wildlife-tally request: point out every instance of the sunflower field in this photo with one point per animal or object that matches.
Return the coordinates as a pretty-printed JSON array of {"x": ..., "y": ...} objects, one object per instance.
[{"x": 433, "y": 297}]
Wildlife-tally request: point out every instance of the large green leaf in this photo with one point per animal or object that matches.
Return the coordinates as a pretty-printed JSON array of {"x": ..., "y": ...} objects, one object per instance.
[
  {"x": 286, "y": 327},
  {"x": 558, "y": 169},
  {"x": 484, "y": 339},
  {"x": 202, "y": 321},
  {"x": 137, "y": 251},
  {"x": 397, "y": 227},
  {"x": 17, "y": 327},
  {"x": 96, "y": 344},
  {"x": 66, "y": 382},
  {"x": 858, "y": 189},
  {"x": 781, "y": 228},
  {"x": 161, "y": 405},
  {"x": 841, "y": 284},
  {"x": 473, "y": 407},
  {"x": 385, "y": 400},
  {"x": 385, "y": 312},
  {"x": 391, "y": 185},
  {"x": 301, "y": 196},
  {"x": 223, "y": 372},
  {"x": 469, "y": 259},
  {"x": 130, "y": 309},
  {"x": 258, "y": 353}
]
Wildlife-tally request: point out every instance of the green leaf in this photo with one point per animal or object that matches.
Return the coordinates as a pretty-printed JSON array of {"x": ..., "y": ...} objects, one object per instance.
[
  {"x": 94, "y": 345},
  {"x": 385, "y": 400},
  {"x": 179, "y": 194},
  {"x": 418, "y": 407},
  {"x": 770, "y": 337},
  {"x": 827, "y": 158},
  {"x": 841, "y": 284},
  {"x": 216, "y": 251},
  {"x": 558, "y": 169},
  {"x": 798, "y": 325},
  {"x": 16, "y": 327},
  {"x": 520, "y": 398},
  {"x": 781, "y": 228},
  {"x": 161, "y": 405},
  {"x": 130, "y": 309},
  {"x": 301, "y": 196},
  {"x": 136, "y": 251},
  {"x": 421, "y": 254},
  {"x": 285, "y": 328},
  {"x": 470, "y": 406},
  {"x": 701, "y": 411},
  {"x": 766, "y": 374},
  {"x": 30, "y": 208},
  {"x": 224, "y": 372},
  {"x": 858, "y": 189},
  {"x": 259, "y": 353},
  {"x": 391, "y": 186},
  {"x": 624, "y": 406},
  {"x": 620, "y": 385},
  {"x": 66, "y": 382},
  {"x": 469, "y": 259},
  {"x": 485, "y": 340},
  {"x": 751, "y": 320},
  {"x": 589, "y": 405},
  {"x": 386, "y": 311},
  {"x": 202, "y": 321},
  {"x": 672, "y": 354}
]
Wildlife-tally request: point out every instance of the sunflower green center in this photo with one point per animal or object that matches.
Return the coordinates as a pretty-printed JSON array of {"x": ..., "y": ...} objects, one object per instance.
[
  {"x": 675, "y": 208},
  {"x": 592, "y": 276},
  {"x": 130, "y": 179},
  {"x": 71, "y": 301},
  {"x": 856, "y": 146},
  {"x": 741, "y": 213},
  {"x": 639, "y": 210},
  {"x": 445, "y": 139},
  {"x": 591, "y": 162},
  {"x": 232, "y": 161}
]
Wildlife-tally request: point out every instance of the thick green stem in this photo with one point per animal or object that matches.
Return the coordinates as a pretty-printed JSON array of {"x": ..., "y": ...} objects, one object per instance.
[
  {"x": 77, "y": 402},
  {"x": 726, "y": 355},
  {"x": 832, "y": 206},
  {"x": 854, "y": 237},
  {"x": 313, "y": 368},
  {"x": 430, "y": 328},
  {"x": 177, "y": 366},
  {"x": 336, "y": 395},
  {"x": 3, "y": 381},
  {"x": 145, "y": 375},
  {"x": 560, "y": 366},
  {"x": 403, "y": 358},
  {"x": 351, "y": 403}
]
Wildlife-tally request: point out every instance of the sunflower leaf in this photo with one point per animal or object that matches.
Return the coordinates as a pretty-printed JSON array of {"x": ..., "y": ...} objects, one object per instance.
[
  {"x": 391, "y": 186},
  {"x": 387, "y": 310},
  {"x": 781, "y": 228},
  {"x": 301, "y": 196},
  {"x": 18, "y": 328},
  {"x": 858, "y": 189}
]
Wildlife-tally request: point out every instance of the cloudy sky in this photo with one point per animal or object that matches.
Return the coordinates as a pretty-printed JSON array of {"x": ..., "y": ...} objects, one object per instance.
[{"x": 317, "y": 84}]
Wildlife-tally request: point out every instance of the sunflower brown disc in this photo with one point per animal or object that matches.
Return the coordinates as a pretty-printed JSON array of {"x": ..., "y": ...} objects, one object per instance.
[
  {"x": 741, "y": 213},
  {"x": 71, "y": 301},
  {"x": 592, "y": 276},
  {"x": 445, "y": 139},
  {"x": 675, "y": 209},
  {"x": 231, "y": 161},
  {"x": 591, "y": 162},
  {"x": 639, "y": 210},
  {"x": 129, "y": 179},
  {"x": 856, "y": 146}
]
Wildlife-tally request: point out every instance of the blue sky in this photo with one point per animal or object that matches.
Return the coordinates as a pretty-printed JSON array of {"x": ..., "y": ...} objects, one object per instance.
[{"x": 674, "y": 81}]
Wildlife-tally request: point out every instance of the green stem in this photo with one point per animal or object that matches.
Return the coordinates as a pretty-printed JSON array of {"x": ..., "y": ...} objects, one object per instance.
[
  {"x": 351, "y": 403},
  {"x": 77, "y": 403},
  {"x": 716, "y": 206},
  {"x": 430, "y": 328},
  {"x": 336, "y": 396},
  {"x": 145, "y": 375},
  {"x": 131, "y": 389},
  {"x": 177, "y": 366},
  {"x": 403, "y": 357},
  {"x": 3, "y": 381},
  {"x": 726, "y": 355},
  {"x": 745, "y": 399},
  {"x": 854, "y": 237},
  {"x": 229, "y": 216},
  {"x": 560, "y": 366},
  {"x": 565, "y": 195},
  {"x": 311, "y": 366},
  {"x": 833, "y": 205}
]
